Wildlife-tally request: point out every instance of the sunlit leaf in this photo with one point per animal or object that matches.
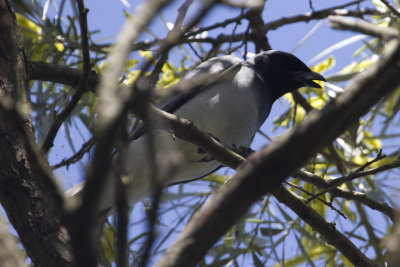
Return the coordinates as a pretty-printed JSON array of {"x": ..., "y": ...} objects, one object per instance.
[
  {"x": 324, "y": 65},
  {"x": 28, "y": 27},
  {"x": 108, "y": 243},
  {"x": 146, "y": 54},
  {"x": 59, "y": 46}
]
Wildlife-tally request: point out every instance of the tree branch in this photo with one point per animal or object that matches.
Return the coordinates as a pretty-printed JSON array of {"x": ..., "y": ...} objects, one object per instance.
[
  {"x": 28, "y": 193},
  {"x": 265, "y": 170},
  {"x": 83, "y": 81},
  {"x": 316, "y": 197},
  {"x": 347, "y": 194},
  {"x": 356, "y": 25},
  {"x": 60, "y": 74},
  {"x": 323, "y": 227},
  {"x": 391, "y": 8}
]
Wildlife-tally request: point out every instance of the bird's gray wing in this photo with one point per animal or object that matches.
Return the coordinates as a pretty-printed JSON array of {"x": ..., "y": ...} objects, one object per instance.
[{"x": 200, "y": 79}]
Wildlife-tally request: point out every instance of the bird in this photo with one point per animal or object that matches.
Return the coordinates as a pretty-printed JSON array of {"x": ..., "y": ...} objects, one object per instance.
[{"x": 231, "y": 108}]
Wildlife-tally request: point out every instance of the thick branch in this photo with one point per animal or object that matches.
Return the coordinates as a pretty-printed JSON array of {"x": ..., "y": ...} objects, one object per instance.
[
  {"x": 265, "y": 170},
  {"x": 27, "y": 190},
  {"x": 59, "y": 74}
]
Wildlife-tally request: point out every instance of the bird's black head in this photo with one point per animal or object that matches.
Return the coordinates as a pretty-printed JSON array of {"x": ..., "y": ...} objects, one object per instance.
[{"x": 283, "y": 72}]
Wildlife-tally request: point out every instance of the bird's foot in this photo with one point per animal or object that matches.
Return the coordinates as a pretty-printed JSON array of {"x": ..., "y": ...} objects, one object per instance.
[{"x": 243, "y": 151}]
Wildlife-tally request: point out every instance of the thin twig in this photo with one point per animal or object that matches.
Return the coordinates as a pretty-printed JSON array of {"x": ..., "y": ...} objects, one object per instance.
[
  {"x": 58, "y": 121},
  {"x": 83, "y": 82},
  {"x": 299, "y": 99},
  {"x": 391, "y": 8},
  {"x": 353, "y": 175},
  {"x": 258, "y": 31},
  {"x": 77, "y": 156},
  {"x": 310, "y": 5},
  {"x": 219, "y": 25},
  {"x": 365, "y": 200},
  {"x": 315, "y": 197},
  {"x": 322, "y": 182},
  {"x": 324, "y": 13},
  {"x": 323, "y": 227}
]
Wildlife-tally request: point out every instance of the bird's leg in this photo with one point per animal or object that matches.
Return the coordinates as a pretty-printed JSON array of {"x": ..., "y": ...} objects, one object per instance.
[{"x": 243, "y": 151}]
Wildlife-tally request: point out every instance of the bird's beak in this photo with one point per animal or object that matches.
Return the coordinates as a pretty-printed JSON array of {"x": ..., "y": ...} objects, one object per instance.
[{"x": 307, "y": 78}]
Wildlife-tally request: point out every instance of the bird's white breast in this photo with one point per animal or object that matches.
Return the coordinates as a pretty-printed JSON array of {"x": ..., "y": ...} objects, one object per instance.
[{"x": 226, "y": 110}]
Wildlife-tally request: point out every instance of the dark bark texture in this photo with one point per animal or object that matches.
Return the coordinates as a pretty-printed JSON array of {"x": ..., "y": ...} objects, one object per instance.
[{"x": 33, "y": 212}]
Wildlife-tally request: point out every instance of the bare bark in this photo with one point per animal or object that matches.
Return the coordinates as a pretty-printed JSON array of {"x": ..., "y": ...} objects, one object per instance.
[
  {"x": 43, "y": 71},
  {"x": 27, "y": 192}
]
